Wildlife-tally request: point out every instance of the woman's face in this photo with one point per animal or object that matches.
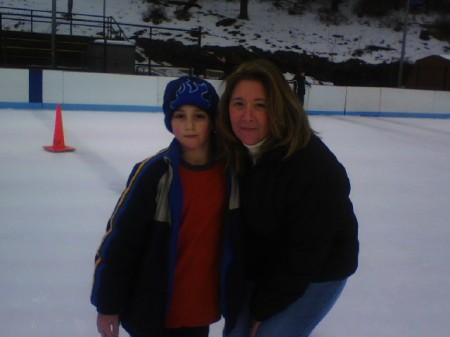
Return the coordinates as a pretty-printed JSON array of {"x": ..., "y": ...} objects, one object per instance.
[{"x": 248, "y": 112}]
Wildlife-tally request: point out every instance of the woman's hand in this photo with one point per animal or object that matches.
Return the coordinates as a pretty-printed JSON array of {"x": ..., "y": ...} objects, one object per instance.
[
  {"x": 254, "y": 329},
  {"x": 108, "y": 325}
]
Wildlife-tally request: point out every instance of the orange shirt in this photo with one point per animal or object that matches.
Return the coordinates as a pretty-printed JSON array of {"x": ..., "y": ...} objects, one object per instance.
[{"x": 195, "y": 299}]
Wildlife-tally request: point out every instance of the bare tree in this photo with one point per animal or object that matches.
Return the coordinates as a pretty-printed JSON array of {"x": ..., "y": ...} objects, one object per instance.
[{"x": 243, "y": 12}]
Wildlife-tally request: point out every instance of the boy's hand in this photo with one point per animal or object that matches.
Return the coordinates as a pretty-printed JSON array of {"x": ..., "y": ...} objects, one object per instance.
[{"x": 108, "y": 325}]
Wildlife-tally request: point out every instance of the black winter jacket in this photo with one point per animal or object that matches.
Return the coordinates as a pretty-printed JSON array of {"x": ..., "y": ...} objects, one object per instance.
[
  {"x": 135, "y": 263},
  {"x": 301, "y": 228}
]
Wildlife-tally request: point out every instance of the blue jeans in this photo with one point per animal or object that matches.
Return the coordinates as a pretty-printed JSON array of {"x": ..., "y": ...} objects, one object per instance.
[{"x": 300, "y": 318}]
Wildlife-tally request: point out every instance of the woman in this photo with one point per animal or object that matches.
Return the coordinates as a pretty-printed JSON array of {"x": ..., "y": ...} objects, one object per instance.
[{"x": 302, "y": 240}]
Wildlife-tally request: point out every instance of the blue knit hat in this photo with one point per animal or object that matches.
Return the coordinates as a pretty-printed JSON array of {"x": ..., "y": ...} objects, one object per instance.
[{"x": 189, "y": 90}]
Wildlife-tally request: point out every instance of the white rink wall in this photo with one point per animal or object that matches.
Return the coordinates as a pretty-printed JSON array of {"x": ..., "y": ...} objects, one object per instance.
[
  {"x": 74, "y": 88},
  {"x": 43, "y": 89},
  {"x": 14, "y": 86}
]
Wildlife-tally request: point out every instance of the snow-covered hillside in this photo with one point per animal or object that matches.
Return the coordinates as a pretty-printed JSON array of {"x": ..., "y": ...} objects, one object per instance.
[{"x": 271, "y": 29}]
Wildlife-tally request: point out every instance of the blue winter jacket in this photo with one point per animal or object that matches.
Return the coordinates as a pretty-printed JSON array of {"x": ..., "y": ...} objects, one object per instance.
[{"x": 135, "y": 263}]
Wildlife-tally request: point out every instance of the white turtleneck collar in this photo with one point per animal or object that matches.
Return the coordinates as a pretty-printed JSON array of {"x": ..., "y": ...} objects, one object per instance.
[{"x": 254, "y": 150}]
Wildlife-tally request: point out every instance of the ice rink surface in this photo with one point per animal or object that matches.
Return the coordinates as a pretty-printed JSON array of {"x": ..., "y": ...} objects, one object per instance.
[{"x": 54, "y": 209}]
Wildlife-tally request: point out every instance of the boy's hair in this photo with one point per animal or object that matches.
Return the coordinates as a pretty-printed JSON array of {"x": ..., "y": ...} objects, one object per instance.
[{"x": 189, "y": 90}]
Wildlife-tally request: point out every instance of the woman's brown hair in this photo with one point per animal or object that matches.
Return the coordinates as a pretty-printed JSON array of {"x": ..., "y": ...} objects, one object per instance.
[{"x": 287, "y": 120}]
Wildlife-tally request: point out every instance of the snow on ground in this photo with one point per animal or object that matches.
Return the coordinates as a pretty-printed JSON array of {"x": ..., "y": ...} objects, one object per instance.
[
  {"x": 54, "y": 209},
  {"x": 273, "y": 29}
]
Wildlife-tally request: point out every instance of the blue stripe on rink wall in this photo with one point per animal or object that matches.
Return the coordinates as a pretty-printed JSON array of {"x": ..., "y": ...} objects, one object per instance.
[
  {"x": 35, "y": 86},
  {"x": 152, "y": 109},
  {"x": 81, "y": 107},
  {"x": 20, "y": 105},
  {"x": 414, "y": 115},
  {"x": 379, "y": 114}
]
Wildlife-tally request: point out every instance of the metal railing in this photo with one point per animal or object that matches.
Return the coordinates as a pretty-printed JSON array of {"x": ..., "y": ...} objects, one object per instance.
[
  {"x": 40, "y": 21},
  {"x": 95, "y": 26}
]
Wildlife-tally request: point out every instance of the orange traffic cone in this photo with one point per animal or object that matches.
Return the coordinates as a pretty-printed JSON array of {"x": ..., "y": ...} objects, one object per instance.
[{"x": 58, "y": 138}]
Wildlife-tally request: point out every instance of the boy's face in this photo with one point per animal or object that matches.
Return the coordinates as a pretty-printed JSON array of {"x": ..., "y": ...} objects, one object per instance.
[{"x": 192, "y": 128}]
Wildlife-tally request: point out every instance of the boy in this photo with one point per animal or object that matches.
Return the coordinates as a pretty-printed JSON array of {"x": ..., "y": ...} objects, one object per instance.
[{"x": 166, "y": 266}]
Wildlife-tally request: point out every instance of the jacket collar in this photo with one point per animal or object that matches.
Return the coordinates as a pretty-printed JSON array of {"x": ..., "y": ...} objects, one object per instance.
[{"x": 173, "y": 153}]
